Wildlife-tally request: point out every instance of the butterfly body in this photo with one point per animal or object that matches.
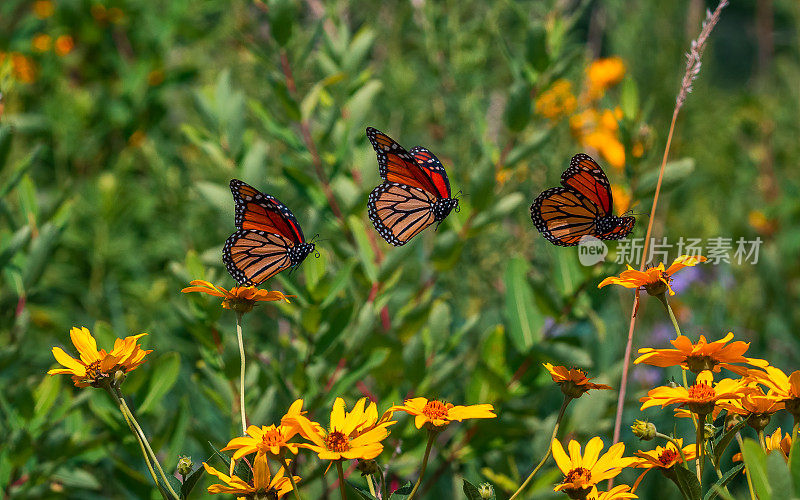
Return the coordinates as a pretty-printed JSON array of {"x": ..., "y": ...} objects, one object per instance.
[
  {"x": 415, "y": 192},
  {"x": 582, "y": 207},
  {"x": 268, "y": 240}
]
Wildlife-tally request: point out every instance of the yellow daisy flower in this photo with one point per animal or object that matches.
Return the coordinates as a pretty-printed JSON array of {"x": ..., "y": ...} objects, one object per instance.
[
  {"x": 271, "y": 440},
  {"x": 437, "y": 414},
  {"x": 574, "y": 382},
  {"x": 264, "y": 485},
  {"x": 654, "y": 280},
  {"x": 239, "y": 298},
  {"x": 700, "y": 398},
  {"x": 603, "y": 74},
  {"x": 776, "y": 441},
  {"x": 616, "y": 493},
  {"x": 582, "y": 472},
  {"x": 701, "y": 356},
  {"x": 786, "y": 388},
  {"x": 662, "y": 458},
  {"x": 354, "y": 434},
  {"x": 97, "y": 368}
]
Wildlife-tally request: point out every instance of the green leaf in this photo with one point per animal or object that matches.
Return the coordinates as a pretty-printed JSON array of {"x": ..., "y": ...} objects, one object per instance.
[
  {"x": 362, "y": 492},
  {"x": 191, "y": 480},
  {"x": 518, "y": 108},
  {"x": 629, "y": 98},
  {"x": 164, "y": 376},
  {"x": 674, "y": 173},
  {"x": 361, "y": 102},
  {"x": 536, "y": 48},
  {"x": 6, "y": 133},
  {"x": 688, "y": 483},
  {"x": 794, "y": 466},
  {"x": 725, "y": 439},
  {"x": 14, "y": 244},
  {"x": 281, "y": 20},
  {"x": 717, "y": 487},
  {"x": 524, "y": 319},
  {"x": 780, "y": 480},
  {"x": 471, "y": 491},
  {"x": 358, "y": 372},
  {"x": 365, "y": 253},
  {"x": 756, "y": 463},
  {"x": 402, "y": 491}
]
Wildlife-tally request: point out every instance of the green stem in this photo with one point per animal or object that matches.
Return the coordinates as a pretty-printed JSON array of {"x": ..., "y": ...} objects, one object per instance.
[
  {"x": 241, "y": 371},
  {"x": 700, "y": 446},
  {"x": 341, "y": 479},
  {"x": 747, "y": 475},
  {"x": 288, "y": 471},
  {"x": 144, "y": 452},
  {"x": 129, "y": 415},
  {"x": 567, "y": 399},
  {"x": 794, "y": 434},
  {"x": 762, "y": 441},
  {"x": 431, "y": 437},
  {"x": 371, "y": 486}
]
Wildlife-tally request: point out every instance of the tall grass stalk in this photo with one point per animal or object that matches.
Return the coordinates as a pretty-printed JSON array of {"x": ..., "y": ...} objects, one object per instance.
[{"x": 693, "y": 65}]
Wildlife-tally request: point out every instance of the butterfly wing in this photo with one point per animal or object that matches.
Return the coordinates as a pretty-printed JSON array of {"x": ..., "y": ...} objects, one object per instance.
[
  {"x": 621, "y": 228},
  {"x": 252, "y": 257},
  {"x": 563, "y": 216},
  {"x": 397, "y": 165},
  {"x": 434, "y": 169},
  {"x": 400, "y": 212},
  {"x": 262, "y": 212},
  {"x": 586, "y": 177}
]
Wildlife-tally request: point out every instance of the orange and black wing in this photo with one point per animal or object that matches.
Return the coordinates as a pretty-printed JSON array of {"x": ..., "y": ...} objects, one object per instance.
[
  {"x": 399, "y": 212},
  {"x": 586, "y": 177},
  {"x": 252, "y": 257},
  {"x": 622, "y": 228},
  {"x": 434, "y": 169},
  {"x": 564, "y": 216},
  {"x": 261, "y": 212},
  {"x": 397, "y": 165}
]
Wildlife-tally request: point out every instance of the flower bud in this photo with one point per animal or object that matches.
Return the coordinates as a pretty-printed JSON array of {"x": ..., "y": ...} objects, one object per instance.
[
  {"x": 644, "y": 430},
  {"x": 486, "y": 491},
  {"x": 368, "y": 467},
  {"x": 758, "y": 421},
  {"x": 185, "y": 465}
]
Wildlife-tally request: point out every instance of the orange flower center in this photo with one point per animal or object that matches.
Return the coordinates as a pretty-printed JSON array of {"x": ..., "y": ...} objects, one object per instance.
[
  {"x": 337, "y": 442},
  {"x": 271, "y": 438},
  {"x": 701, "y": 392},
  {"x": 436, "y": 410},
  {"x": 94, "y": 374},
  {"x": 579, "y": 476},
  {"x": 668, "y": 458}
]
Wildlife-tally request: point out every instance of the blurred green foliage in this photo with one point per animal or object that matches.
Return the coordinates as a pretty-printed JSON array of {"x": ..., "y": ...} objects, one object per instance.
[{"x": 114, "y": 163}]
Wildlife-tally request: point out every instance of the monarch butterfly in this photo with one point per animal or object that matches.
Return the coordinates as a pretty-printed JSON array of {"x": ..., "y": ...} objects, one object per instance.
[
  {"x": 268, "y": 239},
  {"x": 415, "y": 192},
  {"x": 583, "y": 207}
]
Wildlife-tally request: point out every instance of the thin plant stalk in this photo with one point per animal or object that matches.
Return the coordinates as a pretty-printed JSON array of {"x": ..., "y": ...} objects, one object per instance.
[
  {"x": 241, "y": 371},
  {"x": 567, "y": 399},
  {"x": 340, "y": 471},
  {"x": 370, "y": 485},
  {"x": 144, "y": 451},
  {"x": 692, "y": 70},
  {"x": 431, "y": 437},
  {"x": 287, "y": 468},
  {"x": 126, "y": 411},
  {"x": 701, "y": 446}
]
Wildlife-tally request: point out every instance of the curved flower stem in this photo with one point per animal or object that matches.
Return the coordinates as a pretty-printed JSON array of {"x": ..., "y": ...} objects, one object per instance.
[
  {"x": 128, "y": 414},
  {"x": 371, "y": 486},
  {"x": 567, "y": 399},
  {"x": 340, "y": 471},
  {"x": 762, "y": 441},
  {"x": 241, "y": 371},
  {"x": 749, "y": 481},
  {"x": 431, "y": 436}
]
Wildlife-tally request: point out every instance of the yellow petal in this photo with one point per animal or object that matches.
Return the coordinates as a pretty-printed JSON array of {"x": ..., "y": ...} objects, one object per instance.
[
  {"x": 561, "y": 458},
  {"x": 71, "y": 363},
  {"x": 85, "y": 344}
]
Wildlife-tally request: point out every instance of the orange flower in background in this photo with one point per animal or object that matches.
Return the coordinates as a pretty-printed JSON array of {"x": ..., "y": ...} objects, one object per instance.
[
  {"x": 662, "y": 458},
  {"x": 654, "y": 280},
  {"x": 700, "y": 398},
  {"x": 556, "y": 101},
  {"x": 776, "y": 441},
  {"x": 619, "y": 492},
  {"x": 64, "y": 45},
  {"x": 239, "y": 298},
  {"x": 263, "y": 482},
  {"x": 701, "y": 356},
  {"x": 582, "y": 472},
  {"x": 22, "y": 67},
  {"x": 43, "y": 8},
  {"x": 97, "y": 368},
  {"x": 437, "y": 414},
  {"x": 354, "y": 434},
  {"x": 754, "y": 403},
  {"x": 607, "y": 144},
  {"x": 41, "y": 42},
  {"x": 271, "y": 440},
  {"x": 784, "y": 387},
  {"x": 622, "y": 198},
  {"x": 574, "y": 382},
  {"x": 603, "y": 74}
]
